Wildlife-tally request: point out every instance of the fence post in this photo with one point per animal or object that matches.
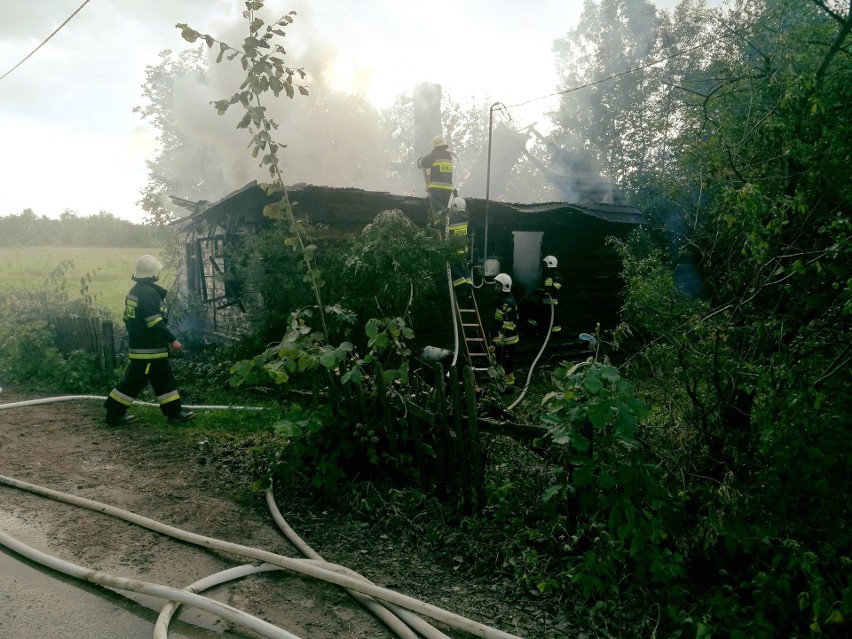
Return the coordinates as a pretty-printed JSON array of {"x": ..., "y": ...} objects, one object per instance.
[
  {"x": 462, "y": 461},
  {"x": 108, "y": 345},
  {"x": 473, "y": 428},
  {"x": 445, "y": 466},
  {"x": 387, "y": 417}
]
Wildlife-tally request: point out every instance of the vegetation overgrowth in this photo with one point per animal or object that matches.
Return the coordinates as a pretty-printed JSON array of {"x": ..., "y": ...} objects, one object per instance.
[{"x": 699, "y": 488}]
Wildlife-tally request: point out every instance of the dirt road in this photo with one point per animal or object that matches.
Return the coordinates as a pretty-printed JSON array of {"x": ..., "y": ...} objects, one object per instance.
[
  {"x": 66, "y": 447},
  {"x": 151, "y": 472}
]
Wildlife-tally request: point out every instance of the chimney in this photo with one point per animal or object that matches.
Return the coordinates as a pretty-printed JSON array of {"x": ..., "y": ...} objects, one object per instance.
[{"x": 427, "y": 116}]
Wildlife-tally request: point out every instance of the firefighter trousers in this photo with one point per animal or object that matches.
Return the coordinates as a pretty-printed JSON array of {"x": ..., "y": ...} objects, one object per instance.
[
  {"x": 137, "y": 375},
  {"x": 506, "y": 359}
]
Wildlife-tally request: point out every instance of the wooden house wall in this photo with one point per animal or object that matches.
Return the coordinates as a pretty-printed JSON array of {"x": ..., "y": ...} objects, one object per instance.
[{"x": 589, "y": 267}]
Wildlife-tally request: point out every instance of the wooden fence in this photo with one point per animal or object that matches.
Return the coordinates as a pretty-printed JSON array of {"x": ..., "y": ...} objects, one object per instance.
[
  {"x": 89, "y": 334},
  {"x": 429, "y": 431}
]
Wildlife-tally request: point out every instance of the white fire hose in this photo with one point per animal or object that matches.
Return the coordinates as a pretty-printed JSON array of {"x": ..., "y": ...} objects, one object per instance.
[{"x": 310, "y": 567}]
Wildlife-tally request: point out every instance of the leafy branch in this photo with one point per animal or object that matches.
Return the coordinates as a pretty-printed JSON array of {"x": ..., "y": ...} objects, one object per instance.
[{"x": 263, "y": 61}]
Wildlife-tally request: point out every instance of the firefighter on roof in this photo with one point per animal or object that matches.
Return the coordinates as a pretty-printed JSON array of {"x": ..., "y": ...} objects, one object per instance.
[
  {"x": 439, "y": 165},
  {"x": 149, "y": 340}
]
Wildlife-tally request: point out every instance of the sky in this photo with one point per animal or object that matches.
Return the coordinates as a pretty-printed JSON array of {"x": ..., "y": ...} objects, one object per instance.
[{"x": 70, "y": 138}]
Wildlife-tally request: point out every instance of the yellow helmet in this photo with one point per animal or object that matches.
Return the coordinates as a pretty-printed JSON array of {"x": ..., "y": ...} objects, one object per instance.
[{"x": 437, "y": 141}]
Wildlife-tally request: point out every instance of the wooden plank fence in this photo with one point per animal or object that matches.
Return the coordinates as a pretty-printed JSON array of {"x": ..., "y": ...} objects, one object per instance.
[
  {"x": 89, "y": 334},
  {"x": 429, "y": 431}
]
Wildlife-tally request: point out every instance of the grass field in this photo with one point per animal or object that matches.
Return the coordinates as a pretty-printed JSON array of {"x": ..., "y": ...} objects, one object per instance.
[{"x": 28, "y": 268}]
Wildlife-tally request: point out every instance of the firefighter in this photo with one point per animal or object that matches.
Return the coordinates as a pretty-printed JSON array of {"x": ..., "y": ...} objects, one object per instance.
[
  {"x": 439, "y": 183},
  {"x": 506, "y": 326},
  {"x": 149, "y": 340},
  {"x": 457, "y": 220},
  {"x": 548, "y": 295}
]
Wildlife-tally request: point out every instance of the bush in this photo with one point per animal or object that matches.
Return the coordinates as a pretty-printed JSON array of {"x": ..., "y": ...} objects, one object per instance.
[{"x": 28, "y": 352}]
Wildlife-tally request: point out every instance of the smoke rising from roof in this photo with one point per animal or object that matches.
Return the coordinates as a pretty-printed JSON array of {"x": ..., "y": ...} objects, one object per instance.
[{"x": 338, "y": 139}]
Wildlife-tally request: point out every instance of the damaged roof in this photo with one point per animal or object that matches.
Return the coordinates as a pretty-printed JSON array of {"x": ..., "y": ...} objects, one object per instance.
[{"x": 350, "y": 209}]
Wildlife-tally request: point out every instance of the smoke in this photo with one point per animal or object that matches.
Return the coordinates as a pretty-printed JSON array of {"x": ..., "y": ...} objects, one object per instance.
[
  {"x": 337, "y": 138},
  {"x": 327, "y": 138}
]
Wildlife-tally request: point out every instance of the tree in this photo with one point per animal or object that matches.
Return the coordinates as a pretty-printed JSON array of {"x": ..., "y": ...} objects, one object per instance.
[
  {"x": 609, "y": 124},
  {"x": 750, "y": 384},
  {"x": 183, "y": 166}
]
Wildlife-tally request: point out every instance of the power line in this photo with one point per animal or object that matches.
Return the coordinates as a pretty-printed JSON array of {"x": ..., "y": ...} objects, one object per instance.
[
  {"x": 67, "y": 20},
  {"x": 618, "y": 75}
]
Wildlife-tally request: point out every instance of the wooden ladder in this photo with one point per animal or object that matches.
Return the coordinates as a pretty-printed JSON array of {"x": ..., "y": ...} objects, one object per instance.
[{"x": 472, "y": 332}]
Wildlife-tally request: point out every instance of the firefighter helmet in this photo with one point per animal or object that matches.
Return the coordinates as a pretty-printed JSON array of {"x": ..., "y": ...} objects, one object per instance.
[
  {"x": 457, "y": 203},
  {"x": 437, "y": 141},
  {"x": 504, "y": 281},
  {"x": 550, "y": 261},
  {"x": 147, "y": 266}
]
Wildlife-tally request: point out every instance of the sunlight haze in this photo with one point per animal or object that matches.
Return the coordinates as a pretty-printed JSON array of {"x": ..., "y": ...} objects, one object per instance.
[{"x": 72, "y": 141}]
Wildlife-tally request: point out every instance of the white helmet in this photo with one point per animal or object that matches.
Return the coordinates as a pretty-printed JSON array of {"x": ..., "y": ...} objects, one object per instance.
[
  {"x": 437, "y": 141},
  {"x": 550, "y": 261},
  {"x": 504, "y": 281},
  {"x": 457, "y": 202},
  {"x": 147, "y": 266}
]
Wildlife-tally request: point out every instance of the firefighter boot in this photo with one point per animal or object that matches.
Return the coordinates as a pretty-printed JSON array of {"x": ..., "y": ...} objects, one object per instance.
[
  {"x": 113, "y": 419},
  {"x": 181, "y": 417}
]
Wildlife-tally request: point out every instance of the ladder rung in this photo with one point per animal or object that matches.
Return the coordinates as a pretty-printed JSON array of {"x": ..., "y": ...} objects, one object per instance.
[
  {"x": 473, "y": 339},
  {"x": 466, "y": 325},
  {"x": 467, "y": 310}
]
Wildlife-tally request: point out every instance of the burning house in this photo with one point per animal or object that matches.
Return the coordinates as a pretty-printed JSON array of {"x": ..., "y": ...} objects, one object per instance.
[
  {"x": 506, "y": 237},
  {"x": 512, "y": 237}
]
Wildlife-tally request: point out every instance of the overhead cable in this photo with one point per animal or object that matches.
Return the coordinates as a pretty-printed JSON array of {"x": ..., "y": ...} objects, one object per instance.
[
  {"x": 615, "y": 75},
  {"x": 67, "y": 20}
]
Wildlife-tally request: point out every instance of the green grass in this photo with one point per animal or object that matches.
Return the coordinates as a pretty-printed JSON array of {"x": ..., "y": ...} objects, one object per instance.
[{"x": 27, "y": 268}]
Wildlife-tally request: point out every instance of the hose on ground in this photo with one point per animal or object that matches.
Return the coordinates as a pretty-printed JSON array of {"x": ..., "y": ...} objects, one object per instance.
[
  {"x": 387, "y": 612},
  {"x": 161, "y": 627},
  {"x": 311, "y": 568},
  {"x": 537, "y": 357},
  {"x": 225, "y": 611},
  {"x": 71, "y": 398}
]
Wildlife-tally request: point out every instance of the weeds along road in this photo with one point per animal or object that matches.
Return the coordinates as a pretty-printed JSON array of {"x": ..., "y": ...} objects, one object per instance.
[{"x": 66, "y": 447}]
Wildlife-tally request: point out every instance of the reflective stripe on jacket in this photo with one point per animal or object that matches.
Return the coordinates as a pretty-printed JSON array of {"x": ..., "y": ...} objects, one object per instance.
[
  {"x": 506, "y": 318},
  {"x": 147, "y": 334},
  {"x": 552, "y": 284},
  {"x": 439, "y": 163}
]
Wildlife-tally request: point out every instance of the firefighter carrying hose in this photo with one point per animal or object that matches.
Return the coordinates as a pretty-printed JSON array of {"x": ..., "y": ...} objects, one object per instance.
[
  {"x": 439, "y": 165},
  {"x": 548, "y": 296},
  {"x": 149, "y": 339},
  {"x": 506, "y": 325}
]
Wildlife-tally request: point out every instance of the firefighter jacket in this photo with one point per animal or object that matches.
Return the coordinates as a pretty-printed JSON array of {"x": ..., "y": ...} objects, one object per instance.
[
  {"x": 147, "y": 333},
  {"x": 457, "y": 228},
  {"x": 552, "y": 284},
  {"x": 439, "y": 163},
  {"x": 506, "y": 319}
]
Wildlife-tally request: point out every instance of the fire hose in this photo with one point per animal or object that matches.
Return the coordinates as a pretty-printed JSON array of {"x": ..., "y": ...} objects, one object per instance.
[{"x": 395, "y": 605}]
